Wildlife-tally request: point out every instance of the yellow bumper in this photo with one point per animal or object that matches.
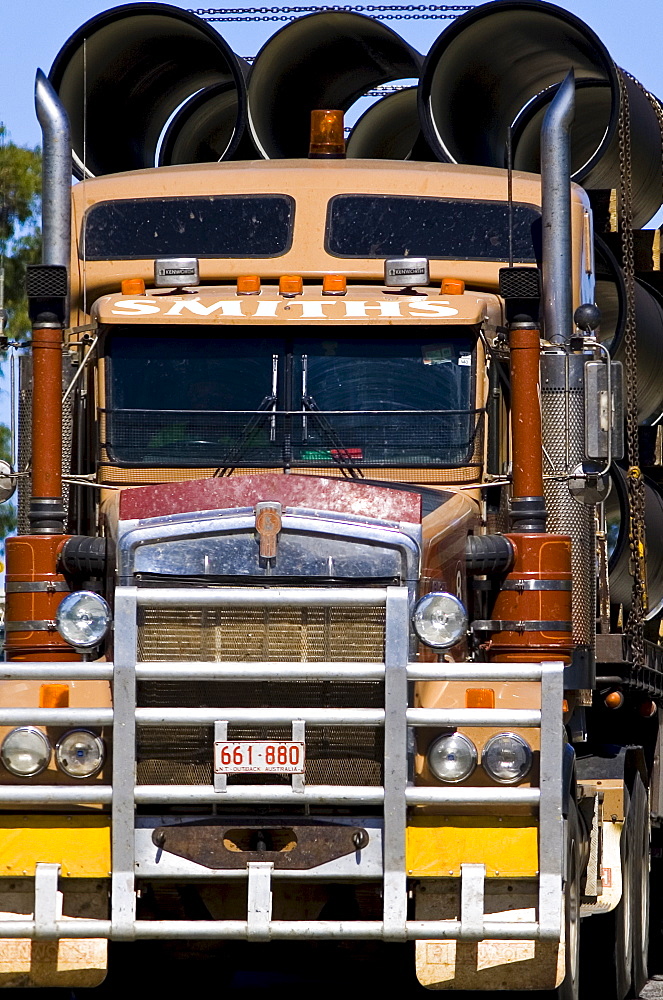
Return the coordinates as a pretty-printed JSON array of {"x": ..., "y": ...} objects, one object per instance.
[
  {"x": 438, "y": 845},
  {"x": 79, "y": 844}
]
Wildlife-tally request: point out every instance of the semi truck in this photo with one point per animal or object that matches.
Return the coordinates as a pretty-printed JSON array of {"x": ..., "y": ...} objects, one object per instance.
[{"x": 333, "y": 613}]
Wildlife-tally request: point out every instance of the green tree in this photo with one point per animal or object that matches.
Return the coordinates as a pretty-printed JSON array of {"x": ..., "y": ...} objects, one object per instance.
[{"x": 20, "y": 237}]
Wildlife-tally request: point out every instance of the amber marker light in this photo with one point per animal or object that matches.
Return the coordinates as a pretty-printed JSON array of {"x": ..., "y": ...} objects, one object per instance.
[
  {"x": 248, "y": 284},
  {"x": 615, "y": 699},
  {"x": 327, "y": 136},
  {"x": 334, "y": 284},
  {"x": 54, "y": 696},
  {"x": 133, "y": 286},
  {"x": 452, "y": 286},
  {"x": 479, "y": 698},
  {"x": 290, "y": 285}
]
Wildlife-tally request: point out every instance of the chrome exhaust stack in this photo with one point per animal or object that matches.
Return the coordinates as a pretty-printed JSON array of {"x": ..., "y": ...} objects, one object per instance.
[
  {"x": 48, "y": 298},
  {"x": 56, "y": 174},
  {"x": 563, "y": 380}
]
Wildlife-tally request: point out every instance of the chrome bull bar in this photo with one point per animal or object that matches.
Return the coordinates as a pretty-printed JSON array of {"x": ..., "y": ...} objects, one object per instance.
[{"x": 394, "y": 797}]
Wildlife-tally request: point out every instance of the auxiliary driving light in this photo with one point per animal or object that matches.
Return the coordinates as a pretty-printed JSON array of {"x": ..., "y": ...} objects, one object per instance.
[
  {"x": 440, "y": 620},
  {"x": 80, "y": 754},
  {"x": 83, "y": 619},
  {"x": 452, "y": 758},
  {"x": 506, "y": 758},
  {"x": 25, "y": 751}
]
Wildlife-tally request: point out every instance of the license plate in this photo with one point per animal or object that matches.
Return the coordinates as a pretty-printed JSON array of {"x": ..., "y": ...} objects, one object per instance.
[{"x": 258, "y": 757}]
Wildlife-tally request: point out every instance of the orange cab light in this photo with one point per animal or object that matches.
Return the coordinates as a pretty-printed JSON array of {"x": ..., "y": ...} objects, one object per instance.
[
  {"x": 565, "y": 706},
  {"x": 54, "y": 696},
  {"x": 133, "y": 286},
  {"x": 647, "y": 708},
  {"x": 615, "y": 699},
  {"x": 452, "y": 286},
  {"x": 327, "y": 135},
  {"x": 248, "y": 284},
  {"x": 290, "y": 284},
  {"x": 334, "y": 284},
  {"x": 479, "y": 698}
]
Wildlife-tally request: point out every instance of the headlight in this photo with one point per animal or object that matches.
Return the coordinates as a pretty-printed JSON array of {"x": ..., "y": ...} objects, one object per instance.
[
  {"x": 83, "y": 619},
  {"x": 452, "y": 758},
  {"x": 506, "y": 758},
  {"x": 440, "y": 620},
  {"x": 25, "y": 751},
  {"x": 80, "y": 754}
]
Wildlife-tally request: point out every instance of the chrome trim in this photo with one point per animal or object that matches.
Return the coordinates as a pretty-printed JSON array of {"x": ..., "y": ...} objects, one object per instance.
[
  {"x": 535, "y": 585},
  {"x": 524, "y": 626},
  {"x": 280, "y": 930},
  {"x": 47, "y": 748},
  {"x": 392, "y": 798},
  {"x": 473, "y": 753},
  {"x": 70, "y": 717},
  {"x": 102, "y": 754},
  {"x": 362, "y": 540},
  {"x": 45, "y": 625},
  {"x": 37, "y": 586},
  {"x": 184, "y": 597},
  {"x": 517, "y": 739},
  {"x": 556, "y": 214}
]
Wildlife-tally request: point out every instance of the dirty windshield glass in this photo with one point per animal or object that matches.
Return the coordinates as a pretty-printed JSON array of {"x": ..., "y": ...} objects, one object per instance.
[
  {"x": 362, "y": 225},
  {"x": 215, "y": 226},
  {"x": 189, "y": 398}
]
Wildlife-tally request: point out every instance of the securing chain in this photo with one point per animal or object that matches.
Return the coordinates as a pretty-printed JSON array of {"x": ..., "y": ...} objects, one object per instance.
[
  {"x": 380, "y": 12},
  {"x": 634, "y": 480}
]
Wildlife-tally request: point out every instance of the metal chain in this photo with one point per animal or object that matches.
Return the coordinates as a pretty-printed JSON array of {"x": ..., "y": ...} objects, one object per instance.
[
  {"x": 635, "y": 482},
  {"x": 379, "y": 12}
]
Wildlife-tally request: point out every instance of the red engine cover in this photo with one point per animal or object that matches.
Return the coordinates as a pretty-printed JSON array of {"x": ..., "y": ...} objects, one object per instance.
[{"x": 336, "y": 495}]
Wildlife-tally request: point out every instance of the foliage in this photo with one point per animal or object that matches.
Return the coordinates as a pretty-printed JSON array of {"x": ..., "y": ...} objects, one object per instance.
[{"x": 20, "y": 238}]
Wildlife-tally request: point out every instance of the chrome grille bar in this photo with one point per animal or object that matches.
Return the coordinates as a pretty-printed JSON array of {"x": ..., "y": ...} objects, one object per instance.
[
  {"x": 169, "y": 597},
  {"x": 437, "y": 930},
  {"x": 394, "y": 796}
]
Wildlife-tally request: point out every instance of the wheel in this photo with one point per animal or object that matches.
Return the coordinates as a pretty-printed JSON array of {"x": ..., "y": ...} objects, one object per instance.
[
  {"x": 640, "y": 895},
  {"x": 570, "y": 988}
]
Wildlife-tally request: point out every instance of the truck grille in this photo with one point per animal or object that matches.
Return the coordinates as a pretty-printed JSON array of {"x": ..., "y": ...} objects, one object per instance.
[{"x": 335, "y": 755}]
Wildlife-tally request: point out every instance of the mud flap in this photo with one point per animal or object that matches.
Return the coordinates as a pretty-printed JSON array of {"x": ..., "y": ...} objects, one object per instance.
[
  {"x": 70, "y": 963},
  {"x": 486, "y": 965}
]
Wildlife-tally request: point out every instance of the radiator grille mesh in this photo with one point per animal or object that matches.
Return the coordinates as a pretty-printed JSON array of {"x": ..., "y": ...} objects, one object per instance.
[
  {"x": 336, "y": 755},
  {"x": 267, "y": 634}
]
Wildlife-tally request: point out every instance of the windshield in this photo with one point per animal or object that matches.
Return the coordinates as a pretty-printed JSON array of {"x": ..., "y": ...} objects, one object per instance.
[{"x": 187, "y": 397}]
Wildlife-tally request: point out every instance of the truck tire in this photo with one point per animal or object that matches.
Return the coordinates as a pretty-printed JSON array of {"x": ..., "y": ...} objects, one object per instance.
[
  {"x": 570, "y": 988},
  {"x": 639, "y": 811}
]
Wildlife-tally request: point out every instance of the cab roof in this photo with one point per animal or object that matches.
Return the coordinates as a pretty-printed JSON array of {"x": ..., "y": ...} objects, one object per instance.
[{"x": 312, "y": 183}]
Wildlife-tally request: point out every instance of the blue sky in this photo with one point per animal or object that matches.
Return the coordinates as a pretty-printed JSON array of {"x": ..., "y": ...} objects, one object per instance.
[{"x": 33, "y": 31}]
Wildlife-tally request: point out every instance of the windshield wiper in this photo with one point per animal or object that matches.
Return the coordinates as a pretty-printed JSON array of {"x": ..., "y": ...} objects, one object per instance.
[
  {"x": 268, "y": 403},
  {"x": 339, "y": 452}
]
